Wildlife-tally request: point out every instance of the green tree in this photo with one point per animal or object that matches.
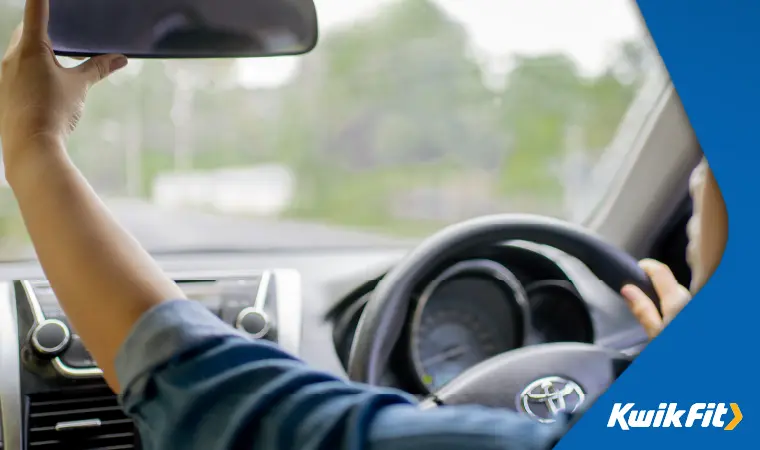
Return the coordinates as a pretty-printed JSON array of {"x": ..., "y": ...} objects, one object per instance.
[
  {"x": 547, "y": 99},
  {"x": 544, "y": 96},
  {"x": 373, "y": 101}
]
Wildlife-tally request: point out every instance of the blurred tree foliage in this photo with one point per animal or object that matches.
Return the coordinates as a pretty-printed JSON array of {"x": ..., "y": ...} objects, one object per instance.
[{"x": 386, "y": 106}]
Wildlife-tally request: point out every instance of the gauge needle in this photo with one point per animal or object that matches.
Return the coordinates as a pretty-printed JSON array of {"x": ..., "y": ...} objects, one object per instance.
[{"x": 445, "y": 355}]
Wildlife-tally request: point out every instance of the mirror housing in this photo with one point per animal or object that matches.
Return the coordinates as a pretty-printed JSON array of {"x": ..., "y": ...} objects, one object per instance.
[{"x": 183, "y": 28}]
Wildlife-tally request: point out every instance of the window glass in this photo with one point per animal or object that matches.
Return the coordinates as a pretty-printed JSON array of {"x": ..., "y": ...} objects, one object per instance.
[{"x": 408, "y": 116}]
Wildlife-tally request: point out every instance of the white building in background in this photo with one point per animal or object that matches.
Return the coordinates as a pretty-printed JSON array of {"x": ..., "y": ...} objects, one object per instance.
[{"x": 265, "y": 190}]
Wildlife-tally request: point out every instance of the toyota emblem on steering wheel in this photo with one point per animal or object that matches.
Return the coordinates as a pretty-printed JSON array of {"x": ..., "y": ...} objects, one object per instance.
[{"x": 546, "y": 398}]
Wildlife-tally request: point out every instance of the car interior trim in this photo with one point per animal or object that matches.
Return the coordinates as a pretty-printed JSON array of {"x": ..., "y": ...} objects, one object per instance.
[
  {"x": 58, "y": 364},
  {"x": 78, "y": 424},
  {"x": 288, "y": 306},
  {"x": 262, "y": 292},
  {"x": 289, "y": 309},
  {"x": 10, "y": 367}
]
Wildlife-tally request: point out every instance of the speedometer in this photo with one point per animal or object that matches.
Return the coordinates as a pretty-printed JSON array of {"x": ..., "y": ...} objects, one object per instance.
[{"x": 474, "y": 311}]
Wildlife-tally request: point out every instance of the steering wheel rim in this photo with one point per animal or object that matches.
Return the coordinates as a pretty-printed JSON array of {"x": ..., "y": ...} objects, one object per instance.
[{"x": 382, "y": 320}]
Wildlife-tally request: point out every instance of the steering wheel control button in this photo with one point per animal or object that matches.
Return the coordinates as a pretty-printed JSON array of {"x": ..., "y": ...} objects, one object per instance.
[
  {"x": 254, "y": 322},
  {"x": 545, "y": 399},
  {"x": 50, "y": 338}
]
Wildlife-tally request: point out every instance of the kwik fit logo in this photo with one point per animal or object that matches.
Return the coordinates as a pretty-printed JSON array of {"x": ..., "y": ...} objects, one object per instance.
[{"x": 669, "y": 415}]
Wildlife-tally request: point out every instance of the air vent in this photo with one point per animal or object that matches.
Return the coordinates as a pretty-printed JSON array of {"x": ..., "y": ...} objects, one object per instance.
[{"x": 79, "y": 420}]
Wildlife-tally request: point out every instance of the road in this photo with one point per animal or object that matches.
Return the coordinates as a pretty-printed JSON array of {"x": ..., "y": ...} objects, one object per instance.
[{"x": 164, "y": 230}]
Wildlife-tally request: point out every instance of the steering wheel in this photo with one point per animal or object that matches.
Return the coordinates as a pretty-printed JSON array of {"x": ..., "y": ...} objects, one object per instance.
[{"x": 541, "y": 380}]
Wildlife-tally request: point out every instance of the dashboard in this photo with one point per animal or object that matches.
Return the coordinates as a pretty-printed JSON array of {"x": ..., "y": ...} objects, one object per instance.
[{"x": 480, "y": 304}]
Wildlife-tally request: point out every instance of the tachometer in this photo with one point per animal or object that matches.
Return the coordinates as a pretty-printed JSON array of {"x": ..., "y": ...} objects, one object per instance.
[
  {"x": 558, "y": 313},
  {"x": 475, "y": 310}
]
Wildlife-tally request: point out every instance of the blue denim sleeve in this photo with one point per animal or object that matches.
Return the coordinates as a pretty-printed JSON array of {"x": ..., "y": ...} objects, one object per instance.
[{"x": 191, "y": 382}]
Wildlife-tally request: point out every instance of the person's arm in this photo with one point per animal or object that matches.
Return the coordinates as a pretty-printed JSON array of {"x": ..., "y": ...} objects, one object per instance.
[
  {"x": 103, "y": 279},
  {"x": 205, "y": 387}
]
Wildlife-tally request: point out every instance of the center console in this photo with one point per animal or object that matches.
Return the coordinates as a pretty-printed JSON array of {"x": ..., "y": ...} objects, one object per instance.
[{"x": 61, "y": 400}]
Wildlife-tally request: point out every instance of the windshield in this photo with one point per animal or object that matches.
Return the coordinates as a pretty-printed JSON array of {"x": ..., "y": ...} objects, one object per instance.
[{"x": 408, "y": 116}]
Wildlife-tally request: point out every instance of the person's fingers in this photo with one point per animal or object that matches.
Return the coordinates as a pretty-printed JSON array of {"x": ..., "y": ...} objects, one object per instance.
[
  {"x": 665, "y": 283},
  {"x": 36, "y": 15},
  {"x": 643, "y": 309},
  {"x": 672, "y": 295},
  {"x": 99, "y": 67}
]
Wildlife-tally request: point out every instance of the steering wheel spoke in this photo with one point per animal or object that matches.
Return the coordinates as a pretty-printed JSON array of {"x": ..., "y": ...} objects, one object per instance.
[{"x": 542, "y": 381}]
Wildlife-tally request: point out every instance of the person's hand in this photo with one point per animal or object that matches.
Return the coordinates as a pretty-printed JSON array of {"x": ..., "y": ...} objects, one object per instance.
[
  {"x": 39, "y": 98},
  {"x": 673, "y": 297}
]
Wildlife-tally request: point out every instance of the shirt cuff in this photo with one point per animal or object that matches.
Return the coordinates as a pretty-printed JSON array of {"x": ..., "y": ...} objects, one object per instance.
[{"x": 163, "y": 333}]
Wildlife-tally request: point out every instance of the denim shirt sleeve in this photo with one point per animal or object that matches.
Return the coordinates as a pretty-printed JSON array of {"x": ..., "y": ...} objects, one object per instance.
[{"x": 191, "y": 382}]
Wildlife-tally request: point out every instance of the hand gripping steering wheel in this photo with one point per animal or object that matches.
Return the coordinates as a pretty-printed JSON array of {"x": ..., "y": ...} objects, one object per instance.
[{"x": 537, "y": 380}]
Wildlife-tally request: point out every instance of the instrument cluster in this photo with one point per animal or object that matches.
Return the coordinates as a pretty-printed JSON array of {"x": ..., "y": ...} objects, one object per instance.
[{"x": 475, "y": 309}]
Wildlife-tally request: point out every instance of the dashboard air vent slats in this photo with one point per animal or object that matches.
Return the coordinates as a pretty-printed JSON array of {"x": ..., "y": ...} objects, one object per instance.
[{"x": 79, "y": 420}]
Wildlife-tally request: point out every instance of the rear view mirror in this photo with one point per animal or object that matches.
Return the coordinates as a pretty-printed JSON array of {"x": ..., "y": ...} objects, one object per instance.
[{"x": 183, "y": 28}]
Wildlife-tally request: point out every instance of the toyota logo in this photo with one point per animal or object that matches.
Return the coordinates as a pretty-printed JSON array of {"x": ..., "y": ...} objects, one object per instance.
[{"x": 546, "y": 398}]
